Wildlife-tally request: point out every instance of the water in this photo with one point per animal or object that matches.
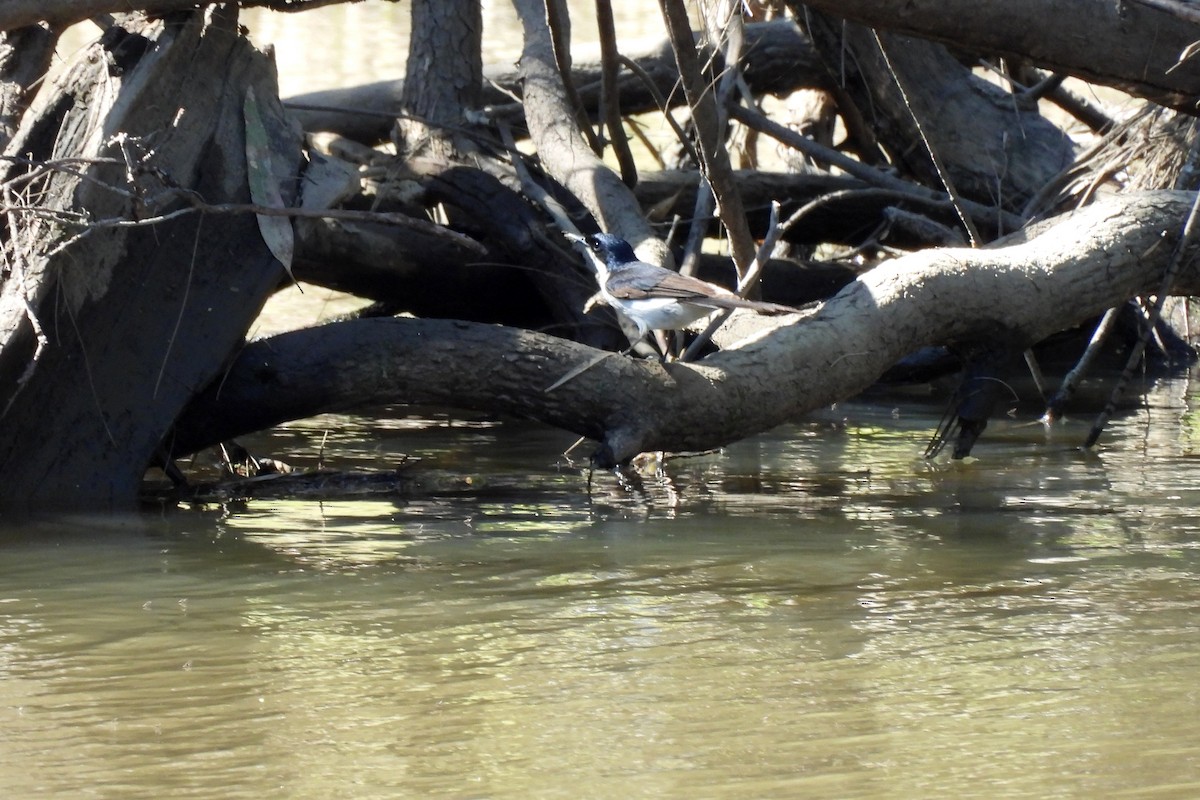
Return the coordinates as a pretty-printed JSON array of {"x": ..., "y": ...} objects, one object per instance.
[{"x": 815, "y": 612}]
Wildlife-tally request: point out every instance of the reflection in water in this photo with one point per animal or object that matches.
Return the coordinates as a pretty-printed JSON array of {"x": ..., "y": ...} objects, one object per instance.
[{"x": 813, "y": 612}]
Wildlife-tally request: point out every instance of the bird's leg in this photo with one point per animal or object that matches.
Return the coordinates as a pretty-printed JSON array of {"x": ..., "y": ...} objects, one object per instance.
[{"x": 663, "y": 340}]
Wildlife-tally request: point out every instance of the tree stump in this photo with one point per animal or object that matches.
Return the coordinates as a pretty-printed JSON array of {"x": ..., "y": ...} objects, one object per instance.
[{"x": 108, "y": 328}]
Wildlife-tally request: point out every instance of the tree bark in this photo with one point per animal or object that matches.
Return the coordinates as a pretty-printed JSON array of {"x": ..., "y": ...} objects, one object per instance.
[
  {"x": 104, "y": 337},
  {"x": 1071, "y": 270},
  {"x": 444, "y": 50},
  {"x": 25, "y": 56},
  {"x": 1134, "y": 46},
  {"x": 778, "y": 60},
  {"x": 562, "y": 149},
  {"x": 996, "y": 148},
  {"x": 1127, "y": 45}
]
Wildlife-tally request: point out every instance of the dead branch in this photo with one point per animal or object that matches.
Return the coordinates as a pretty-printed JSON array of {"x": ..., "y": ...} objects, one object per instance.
[
  {"x": 710, "y": 128},
  {"x": 778, "y": 60},
  {"x": 1136, "y": 47},
  {"x": 61, "y": 13},
  {"x": 1076, "y": 268},
  {"x": 561, "y": 146}
]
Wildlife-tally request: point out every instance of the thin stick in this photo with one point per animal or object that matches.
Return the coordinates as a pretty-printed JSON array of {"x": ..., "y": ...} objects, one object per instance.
[
  {"x": 714, "y": 160},
  {"x": 199, "y": 206},
  {"x": 1135, "y": 355},
  {"x": 745, "y": 286},
  {"x": 663, "y": 105},
  {"x": 610, "y": 94},
  {"x": 784, "y": 135},
  {"x": 1065, "y": 391},
  {"x": 942, "y": 173},
  {"x": 187, "y": 288}
]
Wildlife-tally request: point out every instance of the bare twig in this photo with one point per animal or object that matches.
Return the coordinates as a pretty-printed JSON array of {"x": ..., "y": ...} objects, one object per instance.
[
  {"x": 187, "y": 290},
  {"x": 745, "y": 286},
  {"x": 724, "y": 25},
  {"x": 18, "y": 270},
  {"x": 610, "y": 95},
  {"x": 199, "y": 206},
  {"x": 1135, "y": 354},
  {"x": 857, "y": 169},
  {"x": 943, "y": 174},
  {"x": 714, "y": 160},
  {"x": 532, "y": 189},
  {"x": 663, "y": 104},
  {"x": 1069, "y": 383}
]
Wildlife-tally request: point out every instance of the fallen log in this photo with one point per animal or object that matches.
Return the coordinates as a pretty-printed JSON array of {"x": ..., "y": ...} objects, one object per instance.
[{"x": 1073, "y": 269}]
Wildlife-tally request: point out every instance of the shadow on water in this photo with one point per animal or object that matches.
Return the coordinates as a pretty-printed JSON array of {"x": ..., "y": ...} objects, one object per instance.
[{"x": 814, "y": 612}]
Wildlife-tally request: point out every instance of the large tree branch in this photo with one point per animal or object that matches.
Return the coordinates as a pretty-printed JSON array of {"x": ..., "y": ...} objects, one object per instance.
[
  {"x": 130, "y": 322},
  {"x": 994, "y": 147},
  {"x": 1127, "y": 45},
  {"x": 1076, "y": 268},
  {"x": 560, "y": 145},
  {"x": 61, "y": 13},
  {"x": 778, "y": 59}
]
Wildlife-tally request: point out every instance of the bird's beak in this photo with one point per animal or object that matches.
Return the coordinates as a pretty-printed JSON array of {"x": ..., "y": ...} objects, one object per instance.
[{"x": 573, "y": 238}]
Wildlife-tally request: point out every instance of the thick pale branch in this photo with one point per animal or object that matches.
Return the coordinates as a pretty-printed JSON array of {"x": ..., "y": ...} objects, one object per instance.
[
  {"x": 1075, "y": 269},
  {"x": 560, "y": 144}
]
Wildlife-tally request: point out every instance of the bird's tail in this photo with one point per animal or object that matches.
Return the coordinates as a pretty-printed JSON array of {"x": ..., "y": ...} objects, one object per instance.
[{"x": 758, "y": 306}]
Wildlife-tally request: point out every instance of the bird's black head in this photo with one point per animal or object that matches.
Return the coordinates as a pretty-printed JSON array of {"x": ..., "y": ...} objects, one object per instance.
[{"x": 612, "y": 250}]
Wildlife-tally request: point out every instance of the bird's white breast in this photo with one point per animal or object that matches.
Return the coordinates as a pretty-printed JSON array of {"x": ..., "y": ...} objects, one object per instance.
[{"x": 660, "y": 313}]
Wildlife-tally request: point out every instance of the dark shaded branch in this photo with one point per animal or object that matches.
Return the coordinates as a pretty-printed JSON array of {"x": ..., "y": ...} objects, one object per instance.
[
  {"x": 1131, "y": 46},
  {"x": 25, "y": 56},
  {"x": 778, "y": 60},
  {"x": 61, "y": 13},
  {"x": 876, "y": 177}
]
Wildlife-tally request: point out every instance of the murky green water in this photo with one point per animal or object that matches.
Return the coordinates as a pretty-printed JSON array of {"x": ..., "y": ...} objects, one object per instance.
[{"x": 814, "y": 613}]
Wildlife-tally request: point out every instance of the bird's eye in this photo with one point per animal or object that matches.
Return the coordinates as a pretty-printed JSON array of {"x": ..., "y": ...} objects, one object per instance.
[{"x": 595, "y": 245}]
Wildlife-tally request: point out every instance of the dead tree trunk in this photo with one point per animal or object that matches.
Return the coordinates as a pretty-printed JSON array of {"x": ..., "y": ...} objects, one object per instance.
[
  {"x": 107, "y": 328},
  {"x": 446, "y": 47},
  {"x": 24, "y": 58},
  {"x": 995, "y": 146},
  {"x": 1141, "y": 47}
]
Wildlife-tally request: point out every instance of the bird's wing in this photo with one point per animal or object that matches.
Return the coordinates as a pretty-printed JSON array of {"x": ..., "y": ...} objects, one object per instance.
[
  {"x": 649, "y": 281},
  {"x": 664, "y": 283}
]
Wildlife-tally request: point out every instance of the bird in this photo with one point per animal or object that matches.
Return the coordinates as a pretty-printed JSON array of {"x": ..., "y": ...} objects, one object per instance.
[{"x": 653, "y": 297}]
